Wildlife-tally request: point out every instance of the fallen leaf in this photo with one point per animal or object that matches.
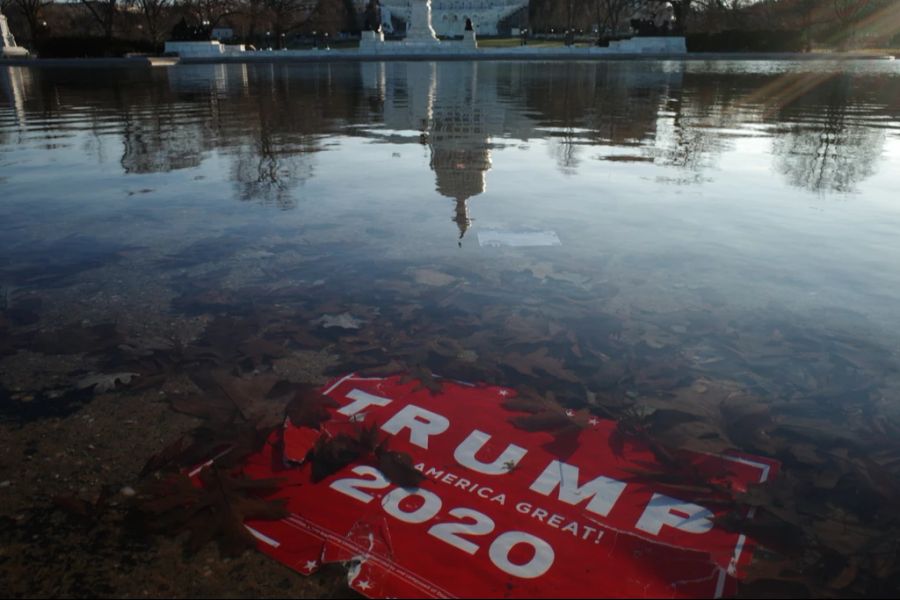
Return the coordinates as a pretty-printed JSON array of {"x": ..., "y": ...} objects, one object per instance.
[
  {"x": 845, "y": 577},
  {"x": 426, "y": 379},
  {"x": 398, "y": 468},
  {"x": 214, "y": 511},
  {"x": 331, "y": 454},
  {"x": 539, "y": 360},
  {"x": 250, "y": 396},
  {"x": 309, "y": 407},
  {"x": 105, "y": 382}
]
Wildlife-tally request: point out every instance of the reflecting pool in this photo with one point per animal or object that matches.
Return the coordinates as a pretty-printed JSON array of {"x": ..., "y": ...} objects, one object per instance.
[{"x": 708, "y": 251}]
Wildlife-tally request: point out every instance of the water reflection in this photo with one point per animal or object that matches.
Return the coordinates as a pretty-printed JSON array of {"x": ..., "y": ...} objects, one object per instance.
[
  {"x": 833, "y": 149},
  {"x": 15, "y": 85},
  {"x": 456, "y": 111},
  {"x": 702, "y": 291},
  {"x": 269, "y": 119}
]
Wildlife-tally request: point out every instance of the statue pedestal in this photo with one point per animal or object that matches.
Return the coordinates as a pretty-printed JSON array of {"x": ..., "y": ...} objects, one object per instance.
[
  {"x": 420, "y": 37},
  {"x": 371, "y": 41},
  {"x": 469, "y": 41},
  {"x": 8, "y": 47},
  {"x": 420, "y": 31}
]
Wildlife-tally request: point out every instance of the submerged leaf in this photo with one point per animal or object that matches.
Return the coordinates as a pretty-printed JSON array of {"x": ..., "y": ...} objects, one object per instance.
[
  {"x": 845, "y": 577},
  {"x": 249, "y": 396},
  {"x": 165, "y": 457},
  {"x": 539, "y": 360},
  {"x": 214, "y": 511},
  {"x": 309, "y": 407},
  {"x": 426, "y": 379},
  {"x": 330, "y": 455},
  {"x": 226, "y": 445},
  {"x": 544, "y": 421},
  {"x": 398, "y": 468},
  {"x": 105, "y": 382}
]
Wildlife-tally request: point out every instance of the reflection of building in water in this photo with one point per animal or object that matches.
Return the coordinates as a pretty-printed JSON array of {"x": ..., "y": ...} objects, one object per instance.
[
  {"x": 456, "y": 114},
  {"x": 457, "y": 108},
  {"x": 217, "y": 79},
  {"x": 460, "y": 139},
  {"x": 15, "y": 81}
]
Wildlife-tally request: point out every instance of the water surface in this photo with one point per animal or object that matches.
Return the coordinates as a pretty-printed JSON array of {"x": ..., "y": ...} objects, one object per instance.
[{"x": 728, "y": 236}]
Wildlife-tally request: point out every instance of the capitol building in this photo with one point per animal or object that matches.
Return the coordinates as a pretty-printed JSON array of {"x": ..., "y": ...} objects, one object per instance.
[{"x": 449, "y": 16}]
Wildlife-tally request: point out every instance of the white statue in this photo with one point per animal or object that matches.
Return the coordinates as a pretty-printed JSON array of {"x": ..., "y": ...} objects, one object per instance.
[
  {"x": 659, "y": 13},
  {"x": 8, "y": 45},
  {"x": 448, "y": 17},
  {"x": 419, "y": 29}
]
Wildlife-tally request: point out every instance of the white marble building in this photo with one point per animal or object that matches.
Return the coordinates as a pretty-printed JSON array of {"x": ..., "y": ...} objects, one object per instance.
[{"x": 448, "y": 17}]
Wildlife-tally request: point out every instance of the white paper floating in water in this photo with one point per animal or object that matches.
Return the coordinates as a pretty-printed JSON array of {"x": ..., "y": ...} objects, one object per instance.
[
  {"x": 343, "y": 321},
  {"x": 517, "y": 239}
]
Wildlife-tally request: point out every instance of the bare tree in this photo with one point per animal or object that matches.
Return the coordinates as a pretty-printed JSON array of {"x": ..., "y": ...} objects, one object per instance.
[
  {"x": 728, "y": 5},
  {"x": 767, "y": 9},
  {"x": 31, "y": 11},
  {"x": 682, "y": 12},
  {"x": 209, "y": 13},
  {"x": 104, "y": 13},
  {"x": 286, "y": 16},
  {"x": 154, "y": 12},
  {"x": 804, "y": 12},
  {"x": 611, "y": 14},
  {"x": 254, "y": 10},
  {"x": 330, "y": 16},
  {"x": 725, "y": 13},
  {"x": 848, "y": 12}
]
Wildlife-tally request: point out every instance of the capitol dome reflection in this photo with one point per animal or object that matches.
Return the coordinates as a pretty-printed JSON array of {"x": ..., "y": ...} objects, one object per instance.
[{"x": 455, "y": 117}]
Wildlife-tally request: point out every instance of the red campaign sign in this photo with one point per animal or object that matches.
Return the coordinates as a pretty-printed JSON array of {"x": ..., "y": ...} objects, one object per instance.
[{"x": 502, "y": 512}]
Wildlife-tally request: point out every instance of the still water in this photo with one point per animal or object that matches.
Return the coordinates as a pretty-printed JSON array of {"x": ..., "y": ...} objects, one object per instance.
[{"x": 717, "y": 240}]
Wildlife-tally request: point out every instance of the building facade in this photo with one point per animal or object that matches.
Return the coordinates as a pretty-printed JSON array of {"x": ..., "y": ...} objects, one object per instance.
[{"x": 448, "y": 17}]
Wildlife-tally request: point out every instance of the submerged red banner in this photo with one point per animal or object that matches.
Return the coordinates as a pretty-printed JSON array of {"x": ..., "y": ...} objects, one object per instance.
[{"x": 501, "y": 511}]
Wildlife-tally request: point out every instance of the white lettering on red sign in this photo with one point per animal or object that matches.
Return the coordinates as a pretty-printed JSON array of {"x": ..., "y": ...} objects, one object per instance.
[
  {"x": 430, "y": 504},
  {"x": 361, "y": 401},
  {"x": 466, "y": 452},
  {"x": 662, "y": 510},
  {"x": 422, "y": 424},
  {"x": 601, "y": 493},
  {"x": 532, "y": 513}
]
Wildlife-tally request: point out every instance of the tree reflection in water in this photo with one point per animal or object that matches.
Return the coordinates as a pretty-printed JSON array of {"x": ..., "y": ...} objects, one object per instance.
[
  {"x": 728, "y": 302},
  {"x": 269, "y": 121},
  {"x": 829, "y": 147}
]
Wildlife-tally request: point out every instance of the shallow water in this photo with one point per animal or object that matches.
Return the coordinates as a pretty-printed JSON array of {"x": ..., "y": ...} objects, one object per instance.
[{"x": 724, "y": 228}]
